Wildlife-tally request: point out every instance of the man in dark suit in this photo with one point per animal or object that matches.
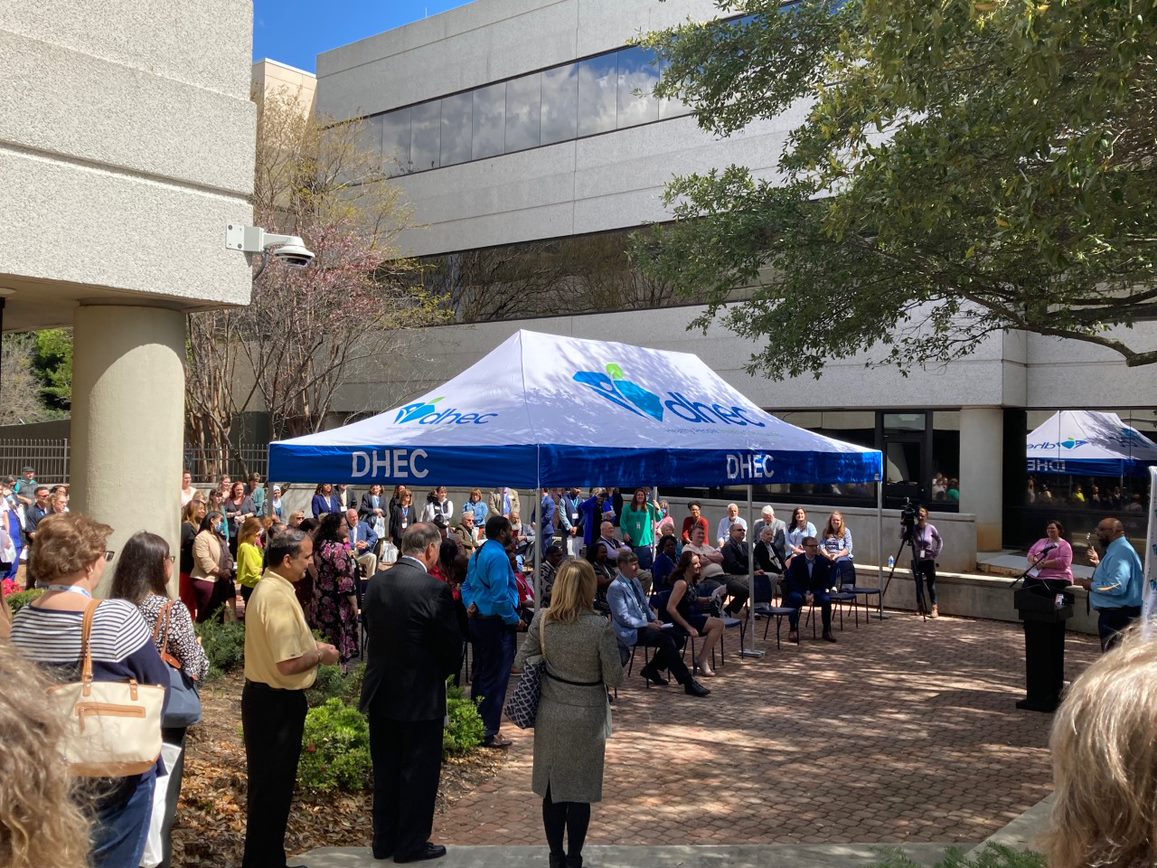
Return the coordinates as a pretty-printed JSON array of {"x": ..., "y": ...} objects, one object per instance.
[
  {"x": 415, "y": 643},
  {"x": 807, "y": 578}
]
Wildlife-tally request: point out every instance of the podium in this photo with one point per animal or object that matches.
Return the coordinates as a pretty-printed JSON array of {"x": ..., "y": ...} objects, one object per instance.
[{"x": 1044, "y": 644}]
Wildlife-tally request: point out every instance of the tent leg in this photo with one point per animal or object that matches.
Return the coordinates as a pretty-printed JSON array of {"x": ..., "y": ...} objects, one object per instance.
[
  {"x": 880, "y": 542},
  {"x": 538, "y": 543},
  {"x": 749, "y": 649}
]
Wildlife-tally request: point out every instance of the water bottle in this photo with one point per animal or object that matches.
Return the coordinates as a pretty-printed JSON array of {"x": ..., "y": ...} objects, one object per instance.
[{"x": 891, "y": 562}]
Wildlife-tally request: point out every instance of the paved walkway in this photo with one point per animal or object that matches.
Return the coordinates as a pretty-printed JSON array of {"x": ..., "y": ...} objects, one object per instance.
[{"x": 904, "y": 732}]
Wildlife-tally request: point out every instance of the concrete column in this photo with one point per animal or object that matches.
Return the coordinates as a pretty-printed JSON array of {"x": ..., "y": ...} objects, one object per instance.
[
  {"x": 128, "y": 407},
  {"x": 982, "y": 472}
]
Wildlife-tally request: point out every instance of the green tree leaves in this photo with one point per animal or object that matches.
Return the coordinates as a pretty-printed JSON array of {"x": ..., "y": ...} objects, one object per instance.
[{"x": 960, "y": 168}]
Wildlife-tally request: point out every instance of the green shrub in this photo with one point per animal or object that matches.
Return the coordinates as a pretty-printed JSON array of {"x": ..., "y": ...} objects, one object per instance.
[
  {"x": 333, "y": 683},
  {"x": 328, "y": 685},
  {"x": 466, "y": 730},
  {"x": 21, "y": 599},
  {"x": 335, "y": 750},
  {"x": 992, "y": 856},
  {"x": 224, "y": 645}
]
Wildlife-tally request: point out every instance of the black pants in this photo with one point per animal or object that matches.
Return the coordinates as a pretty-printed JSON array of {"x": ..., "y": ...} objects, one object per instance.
[
  {"x": 493, "y": 643},
  {"x": 273, "y": 721},
  {"x": 667, "y": 654},
  {"x": 1111, "y": 622},
  {"x": 407, "y": 756},
  {"x": 739, "y": 592},
  {"x": 926, "y": 570},
  {"x": 795, "y": 600}
]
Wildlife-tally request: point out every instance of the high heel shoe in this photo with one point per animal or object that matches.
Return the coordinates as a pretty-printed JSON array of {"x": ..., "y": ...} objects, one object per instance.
[{"x": 704, "y": 670}]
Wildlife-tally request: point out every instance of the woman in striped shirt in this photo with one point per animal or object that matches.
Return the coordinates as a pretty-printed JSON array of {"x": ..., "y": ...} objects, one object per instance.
[{"x": 68, "y": 560}]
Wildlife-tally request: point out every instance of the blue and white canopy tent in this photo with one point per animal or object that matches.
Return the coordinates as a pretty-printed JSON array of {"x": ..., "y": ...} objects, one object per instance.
[
  {"x": 1089, "y": 443},
  {"x": 543, "y": 410},
  {"x": 548, "y": 411}
]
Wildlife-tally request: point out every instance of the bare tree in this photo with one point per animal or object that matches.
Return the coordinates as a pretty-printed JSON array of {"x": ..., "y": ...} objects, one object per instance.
[{"x": 288, "y": 352}]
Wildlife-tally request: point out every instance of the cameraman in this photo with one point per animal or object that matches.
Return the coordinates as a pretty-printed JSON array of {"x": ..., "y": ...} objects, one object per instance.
[{"x": 927, "y": 545}]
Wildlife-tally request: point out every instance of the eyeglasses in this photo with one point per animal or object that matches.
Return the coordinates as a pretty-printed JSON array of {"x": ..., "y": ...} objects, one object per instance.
[
  {"x": 811, "y": 545},
  {"x": 109, "y": 555},
  {"x": 171, "y": 558}
]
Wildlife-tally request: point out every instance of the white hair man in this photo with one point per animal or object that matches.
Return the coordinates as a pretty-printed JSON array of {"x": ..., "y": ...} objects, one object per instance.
[{"x": 723, "y": 532}]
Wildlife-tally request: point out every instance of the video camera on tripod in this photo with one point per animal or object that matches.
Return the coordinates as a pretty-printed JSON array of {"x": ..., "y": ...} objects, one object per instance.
[{"x": 909, "y": 515}]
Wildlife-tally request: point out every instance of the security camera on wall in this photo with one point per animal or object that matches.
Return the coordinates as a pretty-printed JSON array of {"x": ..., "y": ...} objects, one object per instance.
[{"x": 253, "y": 239}]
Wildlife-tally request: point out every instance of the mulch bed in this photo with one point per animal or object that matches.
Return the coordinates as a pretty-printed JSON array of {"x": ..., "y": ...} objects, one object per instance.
[{"x": 210, "y": 827}]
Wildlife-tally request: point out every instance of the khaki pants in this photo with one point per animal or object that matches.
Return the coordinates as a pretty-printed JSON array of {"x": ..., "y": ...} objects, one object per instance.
[{"x": 368, "y": 561}]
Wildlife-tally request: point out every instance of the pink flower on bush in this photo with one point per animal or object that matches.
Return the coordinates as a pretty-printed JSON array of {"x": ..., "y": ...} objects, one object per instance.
[{"x": 10, "y": 587}]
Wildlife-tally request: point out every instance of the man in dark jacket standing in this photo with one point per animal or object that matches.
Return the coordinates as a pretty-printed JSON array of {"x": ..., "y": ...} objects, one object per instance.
[{"x": 414, "y": 645}]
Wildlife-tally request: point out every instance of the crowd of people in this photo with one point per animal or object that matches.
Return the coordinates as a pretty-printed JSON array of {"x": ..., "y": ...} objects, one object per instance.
[{"x": 616, "y": 574}]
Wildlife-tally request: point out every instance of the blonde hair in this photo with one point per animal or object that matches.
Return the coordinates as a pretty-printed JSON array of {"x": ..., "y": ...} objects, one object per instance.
[
  {"x": 573, "y": 592},
  {"x": 250, "y": 529},
  {"x": 1104, "y": 747},
  {"x": 40, "y": 820}
]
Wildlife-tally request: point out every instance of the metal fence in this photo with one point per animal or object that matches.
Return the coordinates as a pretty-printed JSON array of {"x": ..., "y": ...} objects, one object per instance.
[
  {"x": 51, "y": 459},
  {"x": 209, "y": 465}
]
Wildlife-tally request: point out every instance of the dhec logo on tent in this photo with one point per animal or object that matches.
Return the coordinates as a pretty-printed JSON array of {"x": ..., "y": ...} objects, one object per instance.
[
  {"x": 616, "y": 388},
  {"x": 428, "y": 413},
  {"x": 1068, "y": 443}
]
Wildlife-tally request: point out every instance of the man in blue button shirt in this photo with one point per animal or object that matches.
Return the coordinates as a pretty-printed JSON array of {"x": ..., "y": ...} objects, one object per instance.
[
  {"x": 490, "y": 594},
  {"x": 1118, "y": 582}
]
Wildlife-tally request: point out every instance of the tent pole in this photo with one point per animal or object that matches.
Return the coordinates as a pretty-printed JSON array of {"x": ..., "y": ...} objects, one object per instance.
[
  {"x": 539, "y": 547},
  {"x": 748, "y": 648},
  {"x": 880, "y": 536}
]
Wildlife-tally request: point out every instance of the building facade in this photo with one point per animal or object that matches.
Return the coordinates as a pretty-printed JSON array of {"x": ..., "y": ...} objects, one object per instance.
[{"x": 525, "y": 136}]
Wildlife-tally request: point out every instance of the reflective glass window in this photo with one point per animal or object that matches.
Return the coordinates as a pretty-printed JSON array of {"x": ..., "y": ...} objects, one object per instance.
[
  {"x": 424, "y": 136},
  {"x": 671, "y": 107},
  {"x": 489, "y": 121},
  {"x": 396, "y": 142},
  {"x": 559, "y": 104},
  {"x": 523, "y": 110},
  {"x": 638, "y": 73},
  {"x": 598, "y": 83},
  {"x": 457, "y": 128}
]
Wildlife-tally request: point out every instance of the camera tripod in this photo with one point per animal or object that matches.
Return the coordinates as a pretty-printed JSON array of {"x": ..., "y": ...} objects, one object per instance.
[{"x": 907, "y": 538}]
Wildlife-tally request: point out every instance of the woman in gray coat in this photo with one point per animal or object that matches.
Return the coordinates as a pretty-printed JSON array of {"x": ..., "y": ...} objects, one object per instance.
[{"x": 574, "y": 716}]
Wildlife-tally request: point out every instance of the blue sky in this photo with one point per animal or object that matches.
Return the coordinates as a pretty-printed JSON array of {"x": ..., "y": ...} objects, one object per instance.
[{"x": 296, "y": 31}]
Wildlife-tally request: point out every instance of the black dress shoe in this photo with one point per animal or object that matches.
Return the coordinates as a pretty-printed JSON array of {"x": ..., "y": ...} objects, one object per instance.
[
  {"x": 654, "y": 677},
  {"x": 694, "y": 688},
  {"x": 496, "y": 741},
  {"x": 429, "y": 851},
  {"x": 828, "y": 637}
]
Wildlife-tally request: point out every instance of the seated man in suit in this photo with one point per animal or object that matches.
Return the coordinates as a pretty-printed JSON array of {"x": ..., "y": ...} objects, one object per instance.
[
  {"x": 362, "y": 542},
  {"x": 636, "y": 623},
  {"x": 808, "y": 578}
]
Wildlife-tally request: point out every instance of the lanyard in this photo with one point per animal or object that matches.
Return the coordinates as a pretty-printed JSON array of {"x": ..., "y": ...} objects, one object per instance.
[{"x": 72, "y": 589}]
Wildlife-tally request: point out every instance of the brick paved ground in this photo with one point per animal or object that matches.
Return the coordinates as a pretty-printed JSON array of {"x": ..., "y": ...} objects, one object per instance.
[{"x": 904, "y": 731}]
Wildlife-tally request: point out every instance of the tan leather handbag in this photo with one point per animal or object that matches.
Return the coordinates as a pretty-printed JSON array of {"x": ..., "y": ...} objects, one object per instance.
[{"x": 113, "y": 727}]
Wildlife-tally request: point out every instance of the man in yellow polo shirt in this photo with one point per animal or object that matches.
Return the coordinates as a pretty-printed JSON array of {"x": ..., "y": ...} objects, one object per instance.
[{"x": 281, "y": 660}]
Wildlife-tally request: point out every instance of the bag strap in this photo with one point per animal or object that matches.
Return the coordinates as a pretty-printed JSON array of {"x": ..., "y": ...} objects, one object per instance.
[
  {"x": 542, "y": 635},
  {"x": 166, "y": 617},
  {"x": 86, "y": 646}
]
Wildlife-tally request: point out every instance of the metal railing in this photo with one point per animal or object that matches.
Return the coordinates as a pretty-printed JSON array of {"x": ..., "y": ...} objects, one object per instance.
[
  {"x": 51, "y": 459},
  {"x": 209, "y": 465},
  {"x": 48, "y": 457}
]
